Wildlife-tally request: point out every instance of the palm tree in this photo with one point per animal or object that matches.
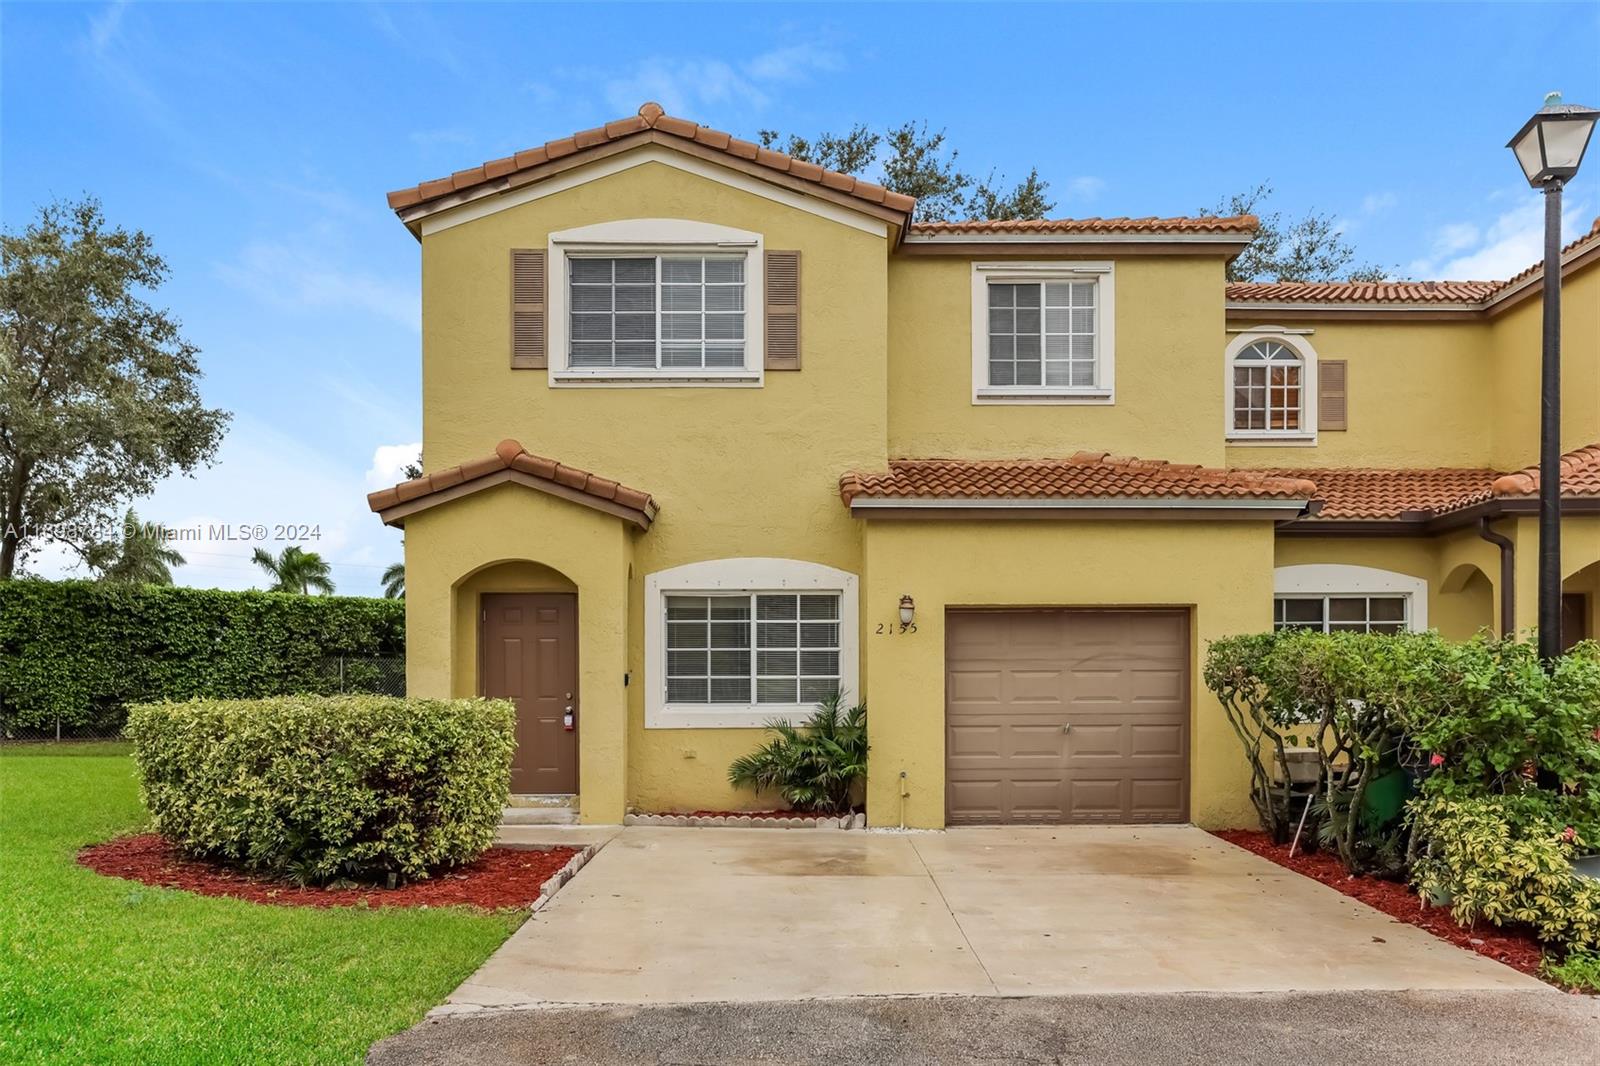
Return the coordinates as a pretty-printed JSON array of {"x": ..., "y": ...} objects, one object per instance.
[
  {"x": 142, "y": 558},
  {"x": 295, "y": 570},
  {"x": 394, "y": 581}
]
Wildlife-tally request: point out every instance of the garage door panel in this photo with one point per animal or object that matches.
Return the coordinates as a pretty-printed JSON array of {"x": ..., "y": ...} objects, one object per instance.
[{"x": 1118, "y": 678}]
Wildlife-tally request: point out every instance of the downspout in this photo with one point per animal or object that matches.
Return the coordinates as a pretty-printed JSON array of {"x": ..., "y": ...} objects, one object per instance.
[{"x": 1508, "y": 575}]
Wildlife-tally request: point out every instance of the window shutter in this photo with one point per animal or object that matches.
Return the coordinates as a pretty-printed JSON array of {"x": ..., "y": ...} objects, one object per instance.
[
  {"x": 527, "y": 309},
  {"x": 783, "y": 310},
  {"x": 1332, "y": 401}
]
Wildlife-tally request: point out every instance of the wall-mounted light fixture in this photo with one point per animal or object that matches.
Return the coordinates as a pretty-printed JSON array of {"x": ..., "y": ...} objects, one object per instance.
[{"x": 908, "y": 610}]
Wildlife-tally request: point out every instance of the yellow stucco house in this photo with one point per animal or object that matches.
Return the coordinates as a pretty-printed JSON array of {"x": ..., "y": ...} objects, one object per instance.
[{"x": 710, "y": 432}]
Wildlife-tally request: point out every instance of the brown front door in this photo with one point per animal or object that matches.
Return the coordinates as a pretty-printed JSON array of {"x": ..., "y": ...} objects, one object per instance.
[
  {"x": 529, "y": 655},
  {"x": 1574, "y": 618},
  {"x": 1066, "y": 716}
]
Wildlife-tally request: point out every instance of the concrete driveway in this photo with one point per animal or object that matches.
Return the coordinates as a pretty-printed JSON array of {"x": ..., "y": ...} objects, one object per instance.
[{"x": 703, "y": 915}]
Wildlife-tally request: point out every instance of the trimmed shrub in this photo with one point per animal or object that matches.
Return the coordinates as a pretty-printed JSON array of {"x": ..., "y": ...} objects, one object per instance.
[
  {"x": 318, "y": 789},
  {"x": 1508, "y": 861},
  {"x": 79, "y": 651}
]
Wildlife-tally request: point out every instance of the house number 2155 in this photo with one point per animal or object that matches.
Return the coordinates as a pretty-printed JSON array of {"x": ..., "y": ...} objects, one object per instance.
[{"x": 896, "y": 628}]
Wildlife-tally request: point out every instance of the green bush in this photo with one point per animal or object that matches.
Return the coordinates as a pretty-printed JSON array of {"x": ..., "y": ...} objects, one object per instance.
[
  {"x": 1507, "y": 860},
  {"x": 80, "y": 651},
  {"x": 317, "y": 788},
  {"x": 815, "y": 767}
]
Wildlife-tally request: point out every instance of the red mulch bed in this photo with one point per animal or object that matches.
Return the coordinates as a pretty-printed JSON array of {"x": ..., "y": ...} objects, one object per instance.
[
  {"x": 1516, "y": 949},
  {"x": 502, "y": 877}
]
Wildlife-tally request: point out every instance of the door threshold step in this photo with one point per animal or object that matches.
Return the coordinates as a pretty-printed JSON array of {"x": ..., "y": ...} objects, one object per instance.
[
  {"x": 539, "y": 816},
  {"x": 542, "y": 799}
]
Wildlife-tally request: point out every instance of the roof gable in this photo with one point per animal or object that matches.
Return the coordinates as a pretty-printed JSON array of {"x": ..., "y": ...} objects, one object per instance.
[{"x": 650, "y": 126}]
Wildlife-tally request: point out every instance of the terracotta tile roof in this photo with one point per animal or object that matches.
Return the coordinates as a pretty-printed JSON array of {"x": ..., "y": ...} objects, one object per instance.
[
  {"x": 1409, "y": 292},
  {"x": 1429, "y": 292},
  {"x": 1364, "y": 493},
  {"x": 510, "y": 455},
  {"x": 1245, "y": 225},
  {"x": 650, "y": 117},
  {"x": 1086, "y": 475},
  {"x": 1580, "y": 476}
]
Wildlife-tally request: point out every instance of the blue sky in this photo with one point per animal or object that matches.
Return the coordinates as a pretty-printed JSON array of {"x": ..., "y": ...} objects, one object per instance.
[{"x": 255, "y": 143}]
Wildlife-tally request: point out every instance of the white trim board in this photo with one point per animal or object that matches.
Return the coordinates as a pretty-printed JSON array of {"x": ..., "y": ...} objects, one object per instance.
[
  {"x": 742, "y": 575},
  {"x": 538, "y": 190}
]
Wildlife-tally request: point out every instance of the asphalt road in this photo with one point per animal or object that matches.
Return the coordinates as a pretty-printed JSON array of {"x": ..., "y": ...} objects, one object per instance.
[{"x": 1297, "y": 1029}]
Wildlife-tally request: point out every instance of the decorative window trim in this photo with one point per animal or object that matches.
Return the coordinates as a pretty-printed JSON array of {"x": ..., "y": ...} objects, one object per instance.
[
  {"x": 1340, "y": 579},
  {"x": 741, "y": 575},
  {"x": 1103, "y": 273},
  {"x": 1297, "y": 341},
  {"x": 656, "y": 236}
]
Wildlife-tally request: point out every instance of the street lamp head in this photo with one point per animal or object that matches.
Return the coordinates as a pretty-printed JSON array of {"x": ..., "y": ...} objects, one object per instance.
[{"x": 1550, "y": 145}]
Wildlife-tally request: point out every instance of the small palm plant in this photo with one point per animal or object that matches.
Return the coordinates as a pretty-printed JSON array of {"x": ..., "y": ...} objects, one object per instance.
[{"x": 815, "y": 767}]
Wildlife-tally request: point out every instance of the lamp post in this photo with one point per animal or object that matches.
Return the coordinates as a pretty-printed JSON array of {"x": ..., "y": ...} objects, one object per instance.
[{"x": 1549, "y": 147}]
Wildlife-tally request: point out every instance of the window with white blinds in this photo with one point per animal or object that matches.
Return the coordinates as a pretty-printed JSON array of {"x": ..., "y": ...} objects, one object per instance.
[
  {"x": 663, "y": 312},
  {"x": 1042, "y": 334},
  {"x": 752, "y": 648}
]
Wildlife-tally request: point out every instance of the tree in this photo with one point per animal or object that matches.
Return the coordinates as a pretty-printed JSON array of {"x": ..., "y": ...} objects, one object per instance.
[
  {"x": 918, "y": 163},
  {"x": 295, "y": 570},
  {"x": 142, "y": 558},
  {"x": 98, "y": 397},
  {"x": 394, "y": 581},
  {"x": 1310, "y": 248}
]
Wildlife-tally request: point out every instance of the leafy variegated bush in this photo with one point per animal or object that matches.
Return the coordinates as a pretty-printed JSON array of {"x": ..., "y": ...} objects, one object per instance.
[{"x": 325, "y": 788}]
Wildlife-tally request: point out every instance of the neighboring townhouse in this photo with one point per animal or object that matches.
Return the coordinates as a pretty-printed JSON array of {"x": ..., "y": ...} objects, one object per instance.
[{"x": 711, "y": 432}]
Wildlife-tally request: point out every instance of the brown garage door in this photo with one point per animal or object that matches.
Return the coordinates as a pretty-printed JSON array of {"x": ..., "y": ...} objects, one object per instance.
[{"x": 1067, "y": 716}]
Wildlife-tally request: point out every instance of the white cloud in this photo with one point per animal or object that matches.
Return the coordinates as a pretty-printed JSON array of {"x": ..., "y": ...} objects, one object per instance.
[
  {"x": 795, "y": 62},
  {"x": 294, "y": 277},
  {"x": 1512, "y": 242},
  {"x": 389, "y": 462},
  {"x": 105, "y": 27},
  {"x": 1373, "y": 203},
  {"x": 265, "y": 478},
  {"x": 689, "y": 85},
  {"x": 1084, "y": 188}
]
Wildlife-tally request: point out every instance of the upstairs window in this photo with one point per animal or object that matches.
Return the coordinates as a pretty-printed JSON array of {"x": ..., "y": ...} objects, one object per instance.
[
  {"x": 1042, "y": 332},
  {"x": 1268, "y": 389},
  {"x": 662, "y": 312}
]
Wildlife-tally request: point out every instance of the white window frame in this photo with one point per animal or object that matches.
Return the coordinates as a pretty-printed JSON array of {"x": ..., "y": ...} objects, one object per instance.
[
  {"x": 656, "y": 237},
  {"x": 1103, "y": 274},
  {"x": 722, "y": 576},
  {"x": 1297, "y": 342},
  {"x": 1310, "y": 580}
]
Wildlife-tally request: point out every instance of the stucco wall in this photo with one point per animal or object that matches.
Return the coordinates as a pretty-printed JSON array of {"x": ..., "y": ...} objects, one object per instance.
[
  {"x": 736, "y": 472},
  {"x": 481, "y": 543},
  {"x": 1222, "y": 570},
  {"x": 1517, "y": 337},
  {"x": 1167, "y": 309},
  {"x": 1418, "y": 396}
]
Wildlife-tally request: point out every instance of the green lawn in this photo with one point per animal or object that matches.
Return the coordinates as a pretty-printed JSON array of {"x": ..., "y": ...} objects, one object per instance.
[{"x": 94, "y": 969}]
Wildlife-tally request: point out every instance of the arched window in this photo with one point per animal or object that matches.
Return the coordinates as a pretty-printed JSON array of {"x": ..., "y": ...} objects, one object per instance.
[{"x": 1269, "y": 389}]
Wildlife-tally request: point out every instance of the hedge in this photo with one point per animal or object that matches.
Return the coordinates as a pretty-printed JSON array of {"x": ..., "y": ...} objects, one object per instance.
[
  {"x": 81, "y": 651},
  {"x": 325, "y": 788}
]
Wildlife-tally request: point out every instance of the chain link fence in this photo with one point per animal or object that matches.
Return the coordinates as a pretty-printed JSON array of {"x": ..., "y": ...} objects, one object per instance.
[{"x": 383, "y": 675}]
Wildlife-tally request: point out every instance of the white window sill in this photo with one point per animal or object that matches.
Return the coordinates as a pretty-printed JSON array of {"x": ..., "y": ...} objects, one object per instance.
[
  {"x": 729, "y": 378},
  {"x": 1001, "y": 394},
  {"x": 726, "y": 716},
  {"x": 1280, "y": 440}
]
